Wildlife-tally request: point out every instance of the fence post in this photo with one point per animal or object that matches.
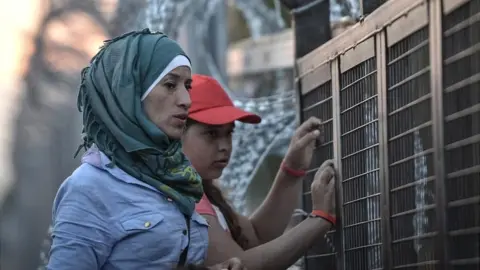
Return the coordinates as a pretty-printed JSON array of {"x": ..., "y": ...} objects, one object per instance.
[
  {"x": 311, "y": 27},
  {"x": 368, "y": 6},
  {"x": 436, "y": 84},
  {"x": 311, "y": 24}
]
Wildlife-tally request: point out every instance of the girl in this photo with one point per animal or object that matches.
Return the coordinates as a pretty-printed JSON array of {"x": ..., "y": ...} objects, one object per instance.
[{"x": 257, "y": 240}]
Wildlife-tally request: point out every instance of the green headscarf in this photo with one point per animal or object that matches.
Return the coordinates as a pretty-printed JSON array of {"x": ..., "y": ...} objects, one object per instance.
[{"x": 113, "y": 118}]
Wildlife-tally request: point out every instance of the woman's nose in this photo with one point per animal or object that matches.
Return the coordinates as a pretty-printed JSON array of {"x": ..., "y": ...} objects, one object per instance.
[{"x": 183, "y": 99}]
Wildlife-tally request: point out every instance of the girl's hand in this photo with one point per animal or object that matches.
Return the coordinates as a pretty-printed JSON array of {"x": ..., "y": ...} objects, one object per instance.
[
  {"x": 323, "y": 188},
  {"x": 300, "y": 151}
]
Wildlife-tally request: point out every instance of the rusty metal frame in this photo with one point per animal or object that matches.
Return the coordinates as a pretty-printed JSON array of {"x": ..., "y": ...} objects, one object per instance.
[
  {"x": 319, "y": 76},
  {"x": 408, "y": 24},
  {"x": 361, "y": 42},
  {"x": 360, "y": 53},
  {"x": 389, "y": 24},
  {"x": 298, "y": 102},
  {"x": 299, "y": 119},
  {"x": 381, "y": 52},
  {"x": 340, "y": 64},
  {"x": 370, "y": 26},
  {"x": 335, "y": 72},
  {"x": 305, "y": 85},
  {"x": 452, "y": 4},
  {"x": 415, "y": 19},
  {"x": 436, "y": 86}
]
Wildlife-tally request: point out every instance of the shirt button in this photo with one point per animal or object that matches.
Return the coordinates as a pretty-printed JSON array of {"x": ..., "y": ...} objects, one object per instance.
[
  {"x": 169, "y": 199},
  {"x": 184, "y": 232},
  {"x": 147, "y": 224}
]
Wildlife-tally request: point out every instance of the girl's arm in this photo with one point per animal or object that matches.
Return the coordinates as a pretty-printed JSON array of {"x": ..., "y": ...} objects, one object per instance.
[
  {"x": 277, "y": 254},
  {"x": 283, "y": 251},
  {"x": 271, "y": 218}
]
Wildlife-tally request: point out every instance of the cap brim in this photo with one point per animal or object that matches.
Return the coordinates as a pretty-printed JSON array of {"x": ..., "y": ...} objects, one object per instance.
[{"x": 224, "y": 115}]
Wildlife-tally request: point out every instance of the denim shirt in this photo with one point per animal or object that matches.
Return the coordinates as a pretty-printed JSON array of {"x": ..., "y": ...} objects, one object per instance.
[{"x": 105, "y": 219}]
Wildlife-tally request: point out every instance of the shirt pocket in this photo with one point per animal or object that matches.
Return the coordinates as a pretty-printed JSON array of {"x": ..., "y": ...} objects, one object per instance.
[
  {"x": 150, "y": 237},
  {"x": 142, "y": 222}
]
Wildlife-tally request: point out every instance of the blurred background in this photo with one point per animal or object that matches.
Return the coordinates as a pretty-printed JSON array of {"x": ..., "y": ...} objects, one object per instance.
[
  {"x": 45, "y": 43},
  {"x": 250, "y": 46}
]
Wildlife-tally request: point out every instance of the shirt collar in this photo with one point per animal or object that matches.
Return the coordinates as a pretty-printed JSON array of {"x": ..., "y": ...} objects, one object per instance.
[{"x": 98, "y": 159}]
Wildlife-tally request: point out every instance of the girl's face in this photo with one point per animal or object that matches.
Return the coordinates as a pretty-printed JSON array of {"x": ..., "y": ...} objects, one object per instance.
[
  {"x": 167, "y": 105},
  {"x": 209, "y": 148}
]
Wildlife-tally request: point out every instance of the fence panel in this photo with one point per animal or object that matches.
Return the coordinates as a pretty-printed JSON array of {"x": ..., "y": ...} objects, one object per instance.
[
  {"x": 461, "y": 116},
  {"x": 400, "y": 97},
  {"x": 316, "y": 101},
  {"x": 359, "y": 157}
]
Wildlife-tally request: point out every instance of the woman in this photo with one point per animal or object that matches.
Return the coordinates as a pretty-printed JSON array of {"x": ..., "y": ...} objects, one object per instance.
[
  {"x": 130, "y": 205},
  {"x": 256, "y": 240}
]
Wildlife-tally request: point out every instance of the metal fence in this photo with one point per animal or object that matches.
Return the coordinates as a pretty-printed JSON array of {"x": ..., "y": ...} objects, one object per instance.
[{"x": 399, "y": 95}]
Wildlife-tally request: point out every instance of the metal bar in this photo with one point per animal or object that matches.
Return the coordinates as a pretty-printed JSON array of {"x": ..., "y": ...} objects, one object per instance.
[
  {"x": 299, "y": 115},
  {"x": 299, "y": 120},
  {"x": 312, "y": 26},
  {"x": 318, "y": 77},
  {"x": 436, "y": 82},
  {"x": 383, "y": 147},
  {"x": 363, "y": 51},
  {"x": 368, "y": 6},
  {"x": 298, "y": 101},
  {"x": 382, "y": 17},
  {"x": 306, "y": 7},
  {"x": 218, "y": 39},
  {"x": 450, "y": 5},
  {"x": 405, "y": 26},
  {"x": 337, "y": 150}
]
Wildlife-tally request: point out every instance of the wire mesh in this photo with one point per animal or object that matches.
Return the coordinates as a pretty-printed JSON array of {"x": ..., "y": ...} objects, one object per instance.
[
  {"x": 318, "y": 103},
  {"x": 461, "y": 55},
  {"x": 360, "y": 166},
  {"x": 412, "y": 222},
  {"x": 411, "y": 171}
]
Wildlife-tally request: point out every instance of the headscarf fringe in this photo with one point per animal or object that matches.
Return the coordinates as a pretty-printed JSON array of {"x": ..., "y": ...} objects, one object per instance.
[{"x": 183, "y": 189}]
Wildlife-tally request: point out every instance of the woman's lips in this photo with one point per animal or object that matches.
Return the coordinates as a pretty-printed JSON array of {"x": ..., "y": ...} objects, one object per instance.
[{"x": 180, "y": 118}]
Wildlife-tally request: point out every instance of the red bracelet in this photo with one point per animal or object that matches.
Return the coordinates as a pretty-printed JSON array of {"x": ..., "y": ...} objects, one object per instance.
[
  {"x": 292, "y": 172},
  {"x": 324, "y": 215}
]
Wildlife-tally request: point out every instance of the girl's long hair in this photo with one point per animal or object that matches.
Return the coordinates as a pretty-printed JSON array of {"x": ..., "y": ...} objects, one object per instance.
[{"x": 215, "y": 196}]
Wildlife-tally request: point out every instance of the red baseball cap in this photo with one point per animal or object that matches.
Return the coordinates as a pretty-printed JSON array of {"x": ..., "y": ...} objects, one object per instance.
[{"x": 212, "y": 106}]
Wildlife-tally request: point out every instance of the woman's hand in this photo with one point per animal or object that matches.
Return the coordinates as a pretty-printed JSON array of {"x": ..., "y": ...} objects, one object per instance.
[
  {"x": 323, "y": 188},
  {"x": 231, "y": 264},
  {"x": 300, "y": 151}
]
